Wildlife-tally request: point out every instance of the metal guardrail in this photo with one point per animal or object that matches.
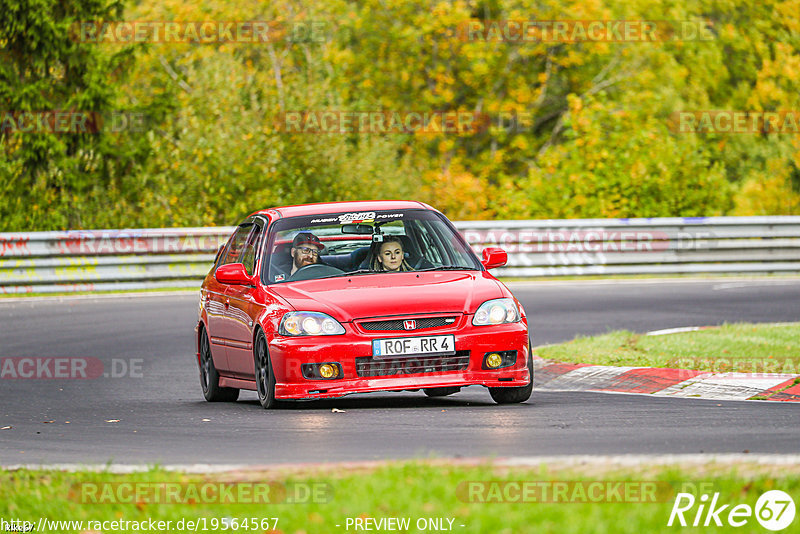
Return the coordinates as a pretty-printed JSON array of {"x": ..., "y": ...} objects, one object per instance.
[
  {"x": 47, "y": 262},
  {"x": 667, "y": 245},
  {"x": 103, "y": 260}
]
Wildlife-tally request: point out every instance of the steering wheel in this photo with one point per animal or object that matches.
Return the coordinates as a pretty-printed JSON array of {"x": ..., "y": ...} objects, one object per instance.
[{"x": 315, "y": 270}]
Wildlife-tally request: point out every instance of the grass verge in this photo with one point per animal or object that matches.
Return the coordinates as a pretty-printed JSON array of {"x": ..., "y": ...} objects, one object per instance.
[
  {"x": 742, "y": 347},
  {"x": 445, "y": 495}
]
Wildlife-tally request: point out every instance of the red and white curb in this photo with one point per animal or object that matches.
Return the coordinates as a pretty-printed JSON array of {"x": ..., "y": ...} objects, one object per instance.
[{"x": 556, "y": 376}]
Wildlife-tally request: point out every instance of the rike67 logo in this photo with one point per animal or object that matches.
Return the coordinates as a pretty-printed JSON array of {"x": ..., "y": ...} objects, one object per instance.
[{"x": 774, "y": 510}]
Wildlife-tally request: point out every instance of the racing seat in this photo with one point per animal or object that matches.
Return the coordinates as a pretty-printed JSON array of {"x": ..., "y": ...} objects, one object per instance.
[
  {"x": 340, "y": 261},
  {"x": 357, "y": 258},
  {"x": 280, "y": 261},
  {"x": 346, "y": 262}
]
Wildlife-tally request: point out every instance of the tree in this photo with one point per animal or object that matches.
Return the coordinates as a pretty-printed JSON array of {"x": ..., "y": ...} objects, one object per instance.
[{"x": 53, "y": 176}]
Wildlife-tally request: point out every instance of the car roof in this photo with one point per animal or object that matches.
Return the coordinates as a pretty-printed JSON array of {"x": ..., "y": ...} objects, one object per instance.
[{"x": 338, "y": 207}]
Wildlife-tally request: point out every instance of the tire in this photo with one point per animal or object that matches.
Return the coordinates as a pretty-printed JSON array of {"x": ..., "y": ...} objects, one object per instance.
[
  {"x": 514, "y": 395},
  {"x": 209, "y": 377},
  {"x": 441, "y": 392},
  {"x": 265, "y": 378}
]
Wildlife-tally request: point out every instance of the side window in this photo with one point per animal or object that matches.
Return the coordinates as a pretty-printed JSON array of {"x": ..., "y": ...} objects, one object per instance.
[
  {"x": 220, "y": 251},
  {"x": 249, "y": 255},
  {"x": 237, "y": 244}
]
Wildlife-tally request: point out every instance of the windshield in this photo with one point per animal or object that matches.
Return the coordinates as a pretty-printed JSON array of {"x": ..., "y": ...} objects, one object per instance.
[{"x": 364, "y": 243}]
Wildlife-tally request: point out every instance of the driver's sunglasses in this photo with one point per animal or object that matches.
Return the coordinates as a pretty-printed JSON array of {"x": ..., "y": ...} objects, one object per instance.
[{"x": 308, "y": 250}]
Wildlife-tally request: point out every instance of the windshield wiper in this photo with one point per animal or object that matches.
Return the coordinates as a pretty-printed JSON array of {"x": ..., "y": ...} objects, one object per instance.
[
  {"x": 448, "y": 268},
  {"x": 370, "y": 271},
  {"x": 359, "y": 271}
]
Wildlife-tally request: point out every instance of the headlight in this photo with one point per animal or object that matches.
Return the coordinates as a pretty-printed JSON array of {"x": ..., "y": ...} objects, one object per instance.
[
  {"x": 307, "y": 323},
  {"x": 496, "y": 311}
]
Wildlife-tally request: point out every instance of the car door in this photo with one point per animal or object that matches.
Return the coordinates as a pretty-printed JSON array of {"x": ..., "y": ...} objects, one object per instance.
[
  {"x": 243, "y": 309},
  {"x": 217, "y": 301}
]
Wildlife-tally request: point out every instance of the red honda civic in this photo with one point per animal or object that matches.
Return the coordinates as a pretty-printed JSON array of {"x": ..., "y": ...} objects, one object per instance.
[{"x": 324, "y": 300}]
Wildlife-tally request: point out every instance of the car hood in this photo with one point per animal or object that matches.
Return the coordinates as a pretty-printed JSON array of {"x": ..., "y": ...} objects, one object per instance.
[{"x": 376, "y": 295}]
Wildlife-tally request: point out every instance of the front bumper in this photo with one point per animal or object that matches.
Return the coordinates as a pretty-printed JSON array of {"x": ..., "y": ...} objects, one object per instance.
[{"x": 352, "y": 349}]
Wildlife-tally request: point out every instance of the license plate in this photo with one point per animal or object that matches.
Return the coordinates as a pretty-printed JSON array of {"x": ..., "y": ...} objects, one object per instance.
[{"x": 406, "y": 346}]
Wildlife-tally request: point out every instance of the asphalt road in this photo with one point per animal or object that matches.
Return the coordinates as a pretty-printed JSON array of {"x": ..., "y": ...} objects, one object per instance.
[{"x": 158, "y": 415}]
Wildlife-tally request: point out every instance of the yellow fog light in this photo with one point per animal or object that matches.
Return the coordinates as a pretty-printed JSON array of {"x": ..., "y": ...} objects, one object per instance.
[
  {"x": 328, "y": 371},
  {"x": 494, "y": 360}
]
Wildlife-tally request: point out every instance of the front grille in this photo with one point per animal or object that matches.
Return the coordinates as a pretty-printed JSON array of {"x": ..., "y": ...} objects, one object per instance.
[
  {"x": 397, "y": 324},
  {"x": 412, "y": 365}
]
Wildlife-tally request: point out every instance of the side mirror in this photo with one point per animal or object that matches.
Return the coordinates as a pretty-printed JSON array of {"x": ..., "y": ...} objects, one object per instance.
[
  {"x": 494, "y": 257},
  {"x": 233, "y": 274}
]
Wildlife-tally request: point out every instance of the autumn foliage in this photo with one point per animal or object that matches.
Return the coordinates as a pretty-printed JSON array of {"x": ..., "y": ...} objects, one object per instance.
[{"x": 574, "y": 129}]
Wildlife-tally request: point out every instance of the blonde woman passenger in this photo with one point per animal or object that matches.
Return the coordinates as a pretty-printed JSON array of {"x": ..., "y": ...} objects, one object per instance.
[{"x": 388, "y": 256}]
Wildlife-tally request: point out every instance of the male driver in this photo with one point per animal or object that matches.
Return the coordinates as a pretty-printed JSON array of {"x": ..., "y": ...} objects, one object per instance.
[{"x": 305, "y": 251}]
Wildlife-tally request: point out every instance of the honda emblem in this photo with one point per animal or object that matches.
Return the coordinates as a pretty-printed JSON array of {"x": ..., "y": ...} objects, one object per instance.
[{"x": 410, "y": 325}]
